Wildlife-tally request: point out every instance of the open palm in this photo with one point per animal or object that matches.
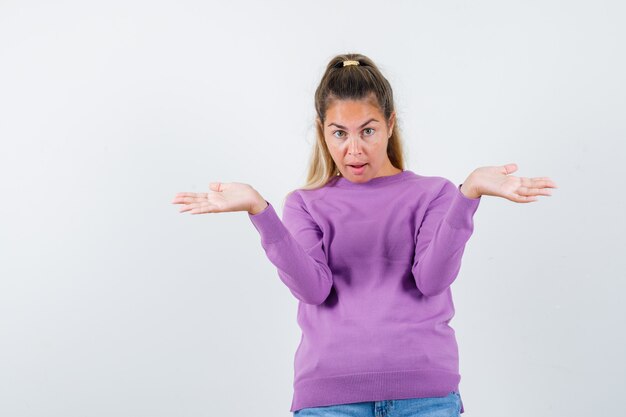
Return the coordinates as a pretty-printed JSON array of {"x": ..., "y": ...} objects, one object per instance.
[
  {"x": 497, "y": 181},
  {"x": 222, "y": 197}
]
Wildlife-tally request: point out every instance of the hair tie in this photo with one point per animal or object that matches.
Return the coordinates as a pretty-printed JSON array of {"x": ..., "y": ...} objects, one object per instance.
[{"x": 346, "y": 63}]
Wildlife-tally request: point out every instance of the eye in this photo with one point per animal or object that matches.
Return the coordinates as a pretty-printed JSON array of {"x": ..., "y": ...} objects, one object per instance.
[
  {"x": 369, "y": 128},
  {"x": 337, "y": 131}
]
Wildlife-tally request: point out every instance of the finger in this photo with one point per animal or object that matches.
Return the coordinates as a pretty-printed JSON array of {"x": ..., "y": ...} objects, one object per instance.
[
  {"x": 538, "y": 191},
  {"x": 186, "y": 207},
  {"x": 526, "y": 182},
  {"x": 205, "y": 207},
  {"x": 533, "y": 191},
  {"x": 195, "y": 208},
  {"x": 523, "y": 198},
  {"x": 535, "y": 186},
  {"x": 191, "y": 198},
  {"x": 180, "y": 197},
  {"x": 186, "y": 194},
  {"x": 537, "y": 182},
  {"x": 543, "y": 182}
]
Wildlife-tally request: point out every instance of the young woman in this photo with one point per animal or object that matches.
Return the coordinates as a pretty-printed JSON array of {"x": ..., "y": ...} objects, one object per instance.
[{"x": 370, "y": 250}]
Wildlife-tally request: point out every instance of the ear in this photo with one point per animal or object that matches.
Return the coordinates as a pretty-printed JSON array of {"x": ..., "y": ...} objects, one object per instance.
[{"x": 392, "y": 122}]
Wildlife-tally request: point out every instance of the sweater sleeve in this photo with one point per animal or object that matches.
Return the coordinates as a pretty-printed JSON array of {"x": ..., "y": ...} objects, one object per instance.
[
  {"x": 440, "y": 240},
  {"x": 294, "y": 245}
]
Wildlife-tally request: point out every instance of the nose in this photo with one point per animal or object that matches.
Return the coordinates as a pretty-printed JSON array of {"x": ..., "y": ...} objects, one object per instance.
[{"x": 354, "y": 147}]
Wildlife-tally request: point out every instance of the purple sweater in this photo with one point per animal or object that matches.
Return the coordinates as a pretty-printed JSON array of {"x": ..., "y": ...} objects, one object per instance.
[{"x": 371, "y": 265}]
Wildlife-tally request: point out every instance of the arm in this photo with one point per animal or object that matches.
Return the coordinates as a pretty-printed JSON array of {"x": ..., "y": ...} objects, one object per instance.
[
  {"x": 295, "y": 247},
  {"x": 440, "y": 240}
]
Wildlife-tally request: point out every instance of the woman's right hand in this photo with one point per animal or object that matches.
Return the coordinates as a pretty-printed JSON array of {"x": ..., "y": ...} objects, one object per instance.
[{"x": 222, "y": 197}]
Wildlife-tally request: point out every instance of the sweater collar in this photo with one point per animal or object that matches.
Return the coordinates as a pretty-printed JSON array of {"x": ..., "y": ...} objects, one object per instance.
[{"x": 343, "y": 182}]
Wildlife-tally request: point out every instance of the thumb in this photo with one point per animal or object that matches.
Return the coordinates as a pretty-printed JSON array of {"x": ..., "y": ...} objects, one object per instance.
[
  {"x": 216, "y": 186},
  {"x": 510, "y": 168}
]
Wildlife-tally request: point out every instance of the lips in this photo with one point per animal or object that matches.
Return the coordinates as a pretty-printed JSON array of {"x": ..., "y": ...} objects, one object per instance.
[{"x": 356, "y": 166}]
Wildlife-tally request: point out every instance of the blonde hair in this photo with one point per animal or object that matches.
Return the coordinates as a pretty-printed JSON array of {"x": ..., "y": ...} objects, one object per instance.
[{"x": 354, "y": 82}]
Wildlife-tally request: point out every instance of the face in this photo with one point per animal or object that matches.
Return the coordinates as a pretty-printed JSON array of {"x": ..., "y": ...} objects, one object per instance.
[{"x": 356, "y": 134}]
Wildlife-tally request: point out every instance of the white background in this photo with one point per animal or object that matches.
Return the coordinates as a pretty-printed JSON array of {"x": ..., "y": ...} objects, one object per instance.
[{"x": 112, "y": 303}]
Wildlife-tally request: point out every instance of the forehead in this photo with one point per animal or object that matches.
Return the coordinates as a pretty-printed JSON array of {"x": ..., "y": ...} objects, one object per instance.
[{"x": 350, "y": 109}]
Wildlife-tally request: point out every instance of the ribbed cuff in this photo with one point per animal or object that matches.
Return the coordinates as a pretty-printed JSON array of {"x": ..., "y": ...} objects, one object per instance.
[
  {"x": 268, "y": 224},
  {"x": 461, "y": 212}
]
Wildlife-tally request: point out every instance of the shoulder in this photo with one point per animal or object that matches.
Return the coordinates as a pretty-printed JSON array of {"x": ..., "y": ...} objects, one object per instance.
[
  {"x": 297, "y": 202},
  {"x": 293, "y": 197},
  {"x": 434, "y": 185},
  {"x": 304, "y": 197}
]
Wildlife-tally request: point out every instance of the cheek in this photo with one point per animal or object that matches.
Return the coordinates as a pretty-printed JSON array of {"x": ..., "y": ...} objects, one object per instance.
[
  {"x": 336, "y": 148},
  {"x": 381, "y": 144},
  {"x": 335, "y": 151}
]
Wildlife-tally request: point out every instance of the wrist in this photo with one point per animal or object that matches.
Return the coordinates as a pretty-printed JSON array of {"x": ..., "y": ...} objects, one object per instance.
[
  {"x": 258, "y": 207},
  {"x": 469, "y": 189}
]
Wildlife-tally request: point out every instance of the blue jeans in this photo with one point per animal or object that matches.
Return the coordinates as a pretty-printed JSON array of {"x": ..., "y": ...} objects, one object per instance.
[{"x": 448, "y": 406}]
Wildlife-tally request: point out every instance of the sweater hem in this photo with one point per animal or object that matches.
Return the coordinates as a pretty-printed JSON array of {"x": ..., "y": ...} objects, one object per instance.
[{"x": 373, "y": 386}]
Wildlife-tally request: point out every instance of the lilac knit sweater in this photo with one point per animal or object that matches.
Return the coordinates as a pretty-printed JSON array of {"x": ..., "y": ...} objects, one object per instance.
[{"x": 371, "y": 265}]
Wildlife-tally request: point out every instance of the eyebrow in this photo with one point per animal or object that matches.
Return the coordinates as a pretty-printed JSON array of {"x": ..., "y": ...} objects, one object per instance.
[{"x": 343, "y": 127}]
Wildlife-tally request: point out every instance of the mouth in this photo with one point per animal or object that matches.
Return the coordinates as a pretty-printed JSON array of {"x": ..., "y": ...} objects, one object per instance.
[{"x": 357, "y": 169}]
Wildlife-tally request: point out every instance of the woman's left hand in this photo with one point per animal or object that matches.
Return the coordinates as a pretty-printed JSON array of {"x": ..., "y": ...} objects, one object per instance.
[{"x": 496, "y": 181}]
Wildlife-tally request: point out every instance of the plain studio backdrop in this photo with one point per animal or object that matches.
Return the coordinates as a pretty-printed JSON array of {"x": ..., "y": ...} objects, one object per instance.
[{"x": 112, "y": 303}]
